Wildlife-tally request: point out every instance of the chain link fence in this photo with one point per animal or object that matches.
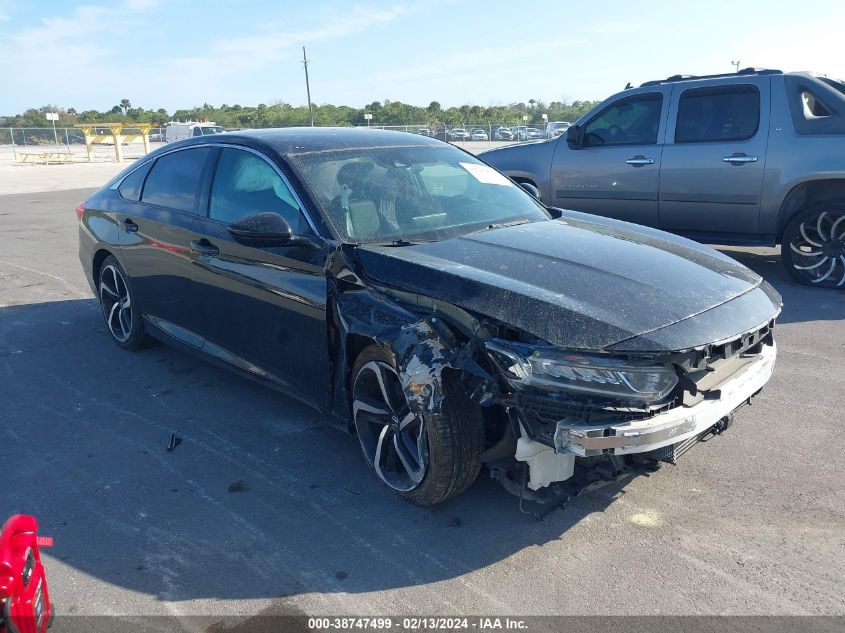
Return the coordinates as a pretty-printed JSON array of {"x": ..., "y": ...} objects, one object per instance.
[{"x": 16, "y": 140}]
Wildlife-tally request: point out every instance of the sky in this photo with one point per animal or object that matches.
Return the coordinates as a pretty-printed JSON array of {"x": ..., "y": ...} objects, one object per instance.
[{"x": 177, "y": 54}]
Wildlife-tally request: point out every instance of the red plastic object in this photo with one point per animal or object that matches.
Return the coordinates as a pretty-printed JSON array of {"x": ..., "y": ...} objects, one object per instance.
[{"x": 24, "y": 599}]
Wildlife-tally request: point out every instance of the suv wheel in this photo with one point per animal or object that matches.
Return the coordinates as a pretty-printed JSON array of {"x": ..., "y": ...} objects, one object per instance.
[
  {"x": 813, "y": 248},
  {"x": 120, "y": 311},
  {"x": 424, "y": 458}
]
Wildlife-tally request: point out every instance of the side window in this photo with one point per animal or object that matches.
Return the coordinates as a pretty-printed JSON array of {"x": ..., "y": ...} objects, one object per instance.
[
  {"x": 197, "y": 131},
  {"x": 718, "y": 114},
  {"x": 130, "y": 188},
  {"x": 175, "y": 179},
  {"x": 629, "y": 121},
  {"x": 245, "y": 184},
  {"x": 813, "y": 106}
]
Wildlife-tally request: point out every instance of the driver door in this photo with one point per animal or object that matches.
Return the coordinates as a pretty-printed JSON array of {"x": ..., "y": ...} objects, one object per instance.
[
  {"x": 260, "y": 309},
  {"x": 616, "y": 171}
]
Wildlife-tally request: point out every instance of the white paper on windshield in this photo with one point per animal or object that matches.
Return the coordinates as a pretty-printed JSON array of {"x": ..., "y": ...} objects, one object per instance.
[{"x": 485, "y": 174}]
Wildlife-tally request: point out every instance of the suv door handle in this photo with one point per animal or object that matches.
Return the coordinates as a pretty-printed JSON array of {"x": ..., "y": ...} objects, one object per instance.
[
  {"x": 640, "y": 160},
  {"x": 739, "y": 159},
  {"x": 129, "y": 225},
  {"x": 204, "y": 247}
]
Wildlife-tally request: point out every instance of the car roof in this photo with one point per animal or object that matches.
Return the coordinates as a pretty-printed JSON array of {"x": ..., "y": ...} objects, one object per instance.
[{"x": 297, "y": 140}]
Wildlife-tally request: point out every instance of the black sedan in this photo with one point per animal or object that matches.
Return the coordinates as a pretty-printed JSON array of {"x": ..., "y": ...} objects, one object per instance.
[{"x": 421, "y": 300}]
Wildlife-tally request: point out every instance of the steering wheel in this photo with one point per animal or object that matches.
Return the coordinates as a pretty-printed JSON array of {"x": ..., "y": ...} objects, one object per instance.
[{"x": 594, "y": 139}]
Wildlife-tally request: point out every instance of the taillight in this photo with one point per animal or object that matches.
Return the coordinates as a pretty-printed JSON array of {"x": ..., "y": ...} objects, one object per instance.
[{"x": 80, "y": 209}]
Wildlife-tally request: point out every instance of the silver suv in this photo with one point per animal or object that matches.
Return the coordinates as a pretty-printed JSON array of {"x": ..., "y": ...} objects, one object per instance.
[{"x": 755, "y": 158}]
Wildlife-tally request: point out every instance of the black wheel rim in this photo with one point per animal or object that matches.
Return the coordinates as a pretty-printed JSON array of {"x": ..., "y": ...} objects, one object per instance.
[
  {"x": 818, "y": 249},
  {"x": 116, "y": 303},
  {"x": 393, "y": 437}
]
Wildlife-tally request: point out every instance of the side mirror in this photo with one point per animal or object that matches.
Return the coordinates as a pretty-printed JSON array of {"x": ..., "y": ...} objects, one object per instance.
[
  {"x": 263, "y": 229},
  {"x": 531, "y": 189},
  {"x": 575, "y": 136}
]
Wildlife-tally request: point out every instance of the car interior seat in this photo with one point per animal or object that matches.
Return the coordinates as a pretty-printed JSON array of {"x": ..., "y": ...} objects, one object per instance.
[{"x": 360, "y": 212}]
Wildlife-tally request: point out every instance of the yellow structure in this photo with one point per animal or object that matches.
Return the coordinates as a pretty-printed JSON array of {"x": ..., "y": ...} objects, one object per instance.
[
  {"x": 47, "y": 158},
  {"x": 115, "y": 135}
]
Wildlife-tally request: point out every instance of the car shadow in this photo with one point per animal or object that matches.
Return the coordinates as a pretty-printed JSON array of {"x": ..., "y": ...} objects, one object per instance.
[
  {"x": 259, "y": 499},
  {"x": 800, "y": 303}
]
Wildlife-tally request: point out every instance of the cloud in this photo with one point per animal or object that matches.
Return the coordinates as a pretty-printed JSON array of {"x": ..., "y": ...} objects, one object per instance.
[
  {"x": 229, "y": 62},
  {"x": 69, "y": 58}
]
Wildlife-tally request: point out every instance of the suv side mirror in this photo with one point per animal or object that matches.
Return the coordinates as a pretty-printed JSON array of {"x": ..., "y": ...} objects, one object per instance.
[
  {"x": 263, "y": 229},
  {"x": 575, "y": 136}
]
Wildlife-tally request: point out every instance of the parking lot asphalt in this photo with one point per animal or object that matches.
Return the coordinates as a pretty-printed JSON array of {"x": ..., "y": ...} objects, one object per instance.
[{"x": 263, "y": 508}]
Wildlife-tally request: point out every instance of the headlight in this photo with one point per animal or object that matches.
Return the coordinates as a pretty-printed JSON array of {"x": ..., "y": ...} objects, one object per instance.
[{"x": 550, "y": 368}]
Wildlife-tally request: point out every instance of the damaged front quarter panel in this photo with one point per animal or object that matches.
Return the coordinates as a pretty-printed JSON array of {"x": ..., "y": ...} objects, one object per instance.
[{"x": 423, "y": 336}]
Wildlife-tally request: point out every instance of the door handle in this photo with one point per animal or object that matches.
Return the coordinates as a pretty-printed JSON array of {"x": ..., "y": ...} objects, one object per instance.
[
  {"x": 739, "y": 159},
  {"x": 639, "y": 161},
  {"x": 204, "y": 247},
  {"x": 129, "y": 226}
]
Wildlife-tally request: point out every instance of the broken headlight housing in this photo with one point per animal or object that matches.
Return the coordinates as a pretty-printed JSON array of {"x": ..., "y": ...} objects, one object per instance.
[{"x": 586, "y": 374}]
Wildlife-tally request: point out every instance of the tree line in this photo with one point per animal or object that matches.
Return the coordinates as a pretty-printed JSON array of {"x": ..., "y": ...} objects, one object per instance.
[{"x": 285, "y": 115}]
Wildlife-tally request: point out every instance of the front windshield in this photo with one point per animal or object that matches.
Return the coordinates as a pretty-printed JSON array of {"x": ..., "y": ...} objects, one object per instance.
[
  {"x": 211, "y": 130},
  {"x": 414, "y": 193}
]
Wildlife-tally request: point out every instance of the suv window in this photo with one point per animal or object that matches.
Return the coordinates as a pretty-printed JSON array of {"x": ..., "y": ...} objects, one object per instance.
[
  {"x": 629, "y": 121},
  {"x": 130, "y": 188},
  {"x": 174, "y": 181},
  {"x": 813, "y": 106},
  {"x": 245, "y": 184},
  {"x": 718, "y": 114}
]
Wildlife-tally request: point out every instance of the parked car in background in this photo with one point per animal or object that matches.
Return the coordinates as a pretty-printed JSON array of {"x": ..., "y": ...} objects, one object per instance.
[
  {"x": 156, "y": 137},
  {"x": 502, "y": 133},
  {"x": 556, "y": 128},
  {"x": 458, "y": 134},
  {"x": 426, "y": 304},
  {"x": 479, "y": 135},
  {"x": 755, "y": 157},
  {"x": 423, "y": 131},
  {"x": 175, "y": 131}
]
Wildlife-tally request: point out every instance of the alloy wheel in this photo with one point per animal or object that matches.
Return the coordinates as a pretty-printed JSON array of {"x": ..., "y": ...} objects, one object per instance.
[
  {"x": 116, "y": 303},
  {"x": 393, "y": 437},
  {"x": 818, "y": 249}
]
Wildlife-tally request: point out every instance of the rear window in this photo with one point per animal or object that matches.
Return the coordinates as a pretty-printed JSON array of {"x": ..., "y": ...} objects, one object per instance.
[
  {"x": 718, "y": 114},
  {"x": 175, "y": 179},
  {"x": 130, "y": 188}
]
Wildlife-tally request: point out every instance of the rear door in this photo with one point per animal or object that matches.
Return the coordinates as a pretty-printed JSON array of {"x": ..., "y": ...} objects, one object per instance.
[
  {"x": 714, "y": 157},
  {"x": 157, "y": 232},
  {"x": 261, "y": 309},
  {"x": 616, "y": 172}
]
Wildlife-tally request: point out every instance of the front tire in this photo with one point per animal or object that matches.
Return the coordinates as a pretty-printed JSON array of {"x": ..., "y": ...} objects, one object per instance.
[
  {"x": 421, "y": 457},
  {"x": 813, "y": 247},
  {"x": 120, "y": 310}
]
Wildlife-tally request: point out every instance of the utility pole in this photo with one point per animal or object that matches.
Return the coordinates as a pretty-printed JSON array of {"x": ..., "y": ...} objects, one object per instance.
[{"x": 307, "y": 87}]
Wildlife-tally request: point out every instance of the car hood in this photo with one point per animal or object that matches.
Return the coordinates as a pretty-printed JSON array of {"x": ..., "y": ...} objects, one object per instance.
[{"x": 583, "y": 284}]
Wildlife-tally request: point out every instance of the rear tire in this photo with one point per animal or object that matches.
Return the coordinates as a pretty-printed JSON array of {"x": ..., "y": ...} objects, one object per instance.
[
  {"x": 813, "y": 247},
  {"x": 444, "y": 451},
  {"x": 120, "y": 310}
]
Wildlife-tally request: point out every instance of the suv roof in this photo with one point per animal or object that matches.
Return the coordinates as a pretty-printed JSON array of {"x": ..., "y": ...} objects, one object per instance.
[{"x": 744, "y": 71}]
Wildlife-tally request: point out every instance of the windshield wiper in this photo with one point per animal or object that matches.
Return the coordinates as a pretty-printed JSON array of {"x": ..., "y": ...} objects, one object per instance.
[
  {"x": 501, "y": 225},
  {"x": 404, "y": 242}
]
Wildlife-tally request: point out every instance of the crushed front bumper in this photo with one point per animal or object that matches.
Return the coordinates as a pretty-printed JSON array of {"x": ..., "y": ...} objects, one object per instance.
[{"x": 674, "y": 426}]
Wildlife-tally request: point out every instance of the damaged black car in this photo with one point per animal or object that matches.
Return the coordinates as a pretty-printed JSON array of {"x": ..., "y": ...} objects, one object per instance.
[{"x": 427, "y": 304}]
